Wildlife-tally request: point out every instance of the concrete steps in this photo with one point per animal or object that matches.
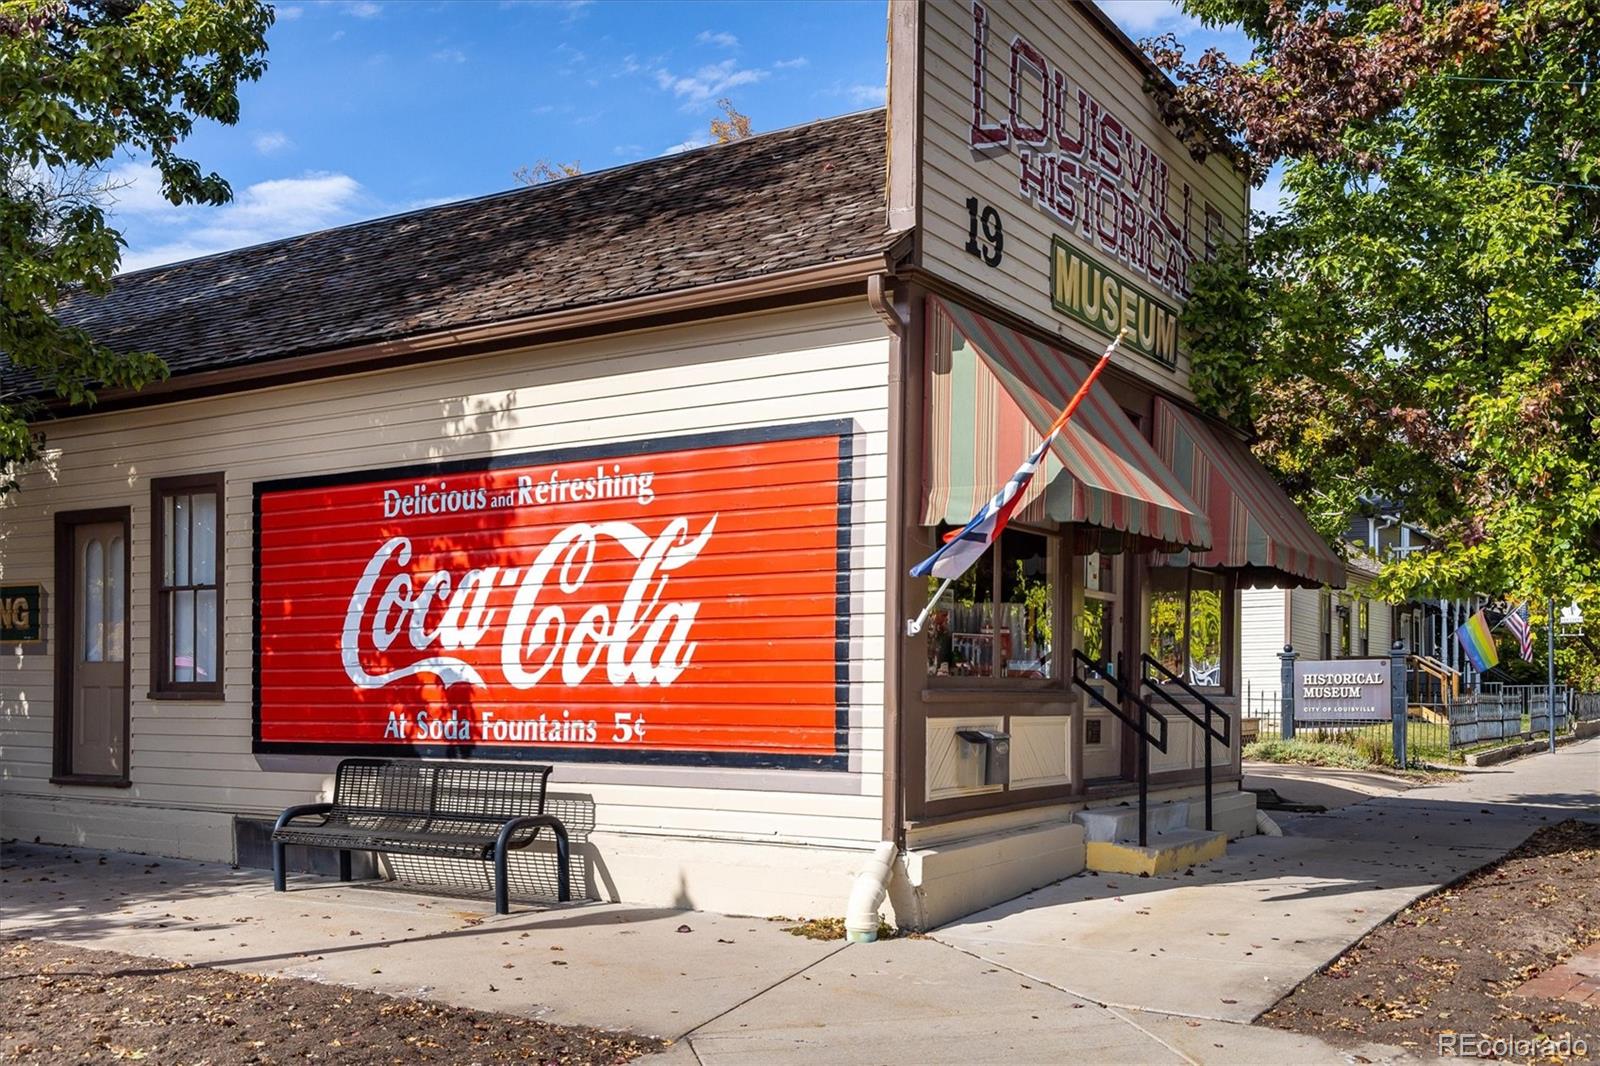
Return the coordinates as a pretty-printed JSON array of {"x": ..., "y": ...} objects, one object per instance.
[{"x": 1176, "y": 839}]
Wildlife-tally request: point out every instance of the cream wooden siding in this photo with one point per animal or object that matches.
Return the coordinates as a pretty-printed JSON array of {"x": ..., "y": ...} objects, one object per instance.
[
  {"x": 1380, "y": 627},
  {"x": 1261, "y": 639},
  {"x": 1305, "y": 631},
  {"x": 952, "y": 171},
  {"x": 820, "y": 363}
]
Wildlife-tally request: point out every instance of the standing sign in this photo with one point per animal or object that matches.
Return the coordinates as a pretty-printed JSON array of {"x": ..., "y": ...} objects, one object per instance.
[
  {"x": 1342, "y": 690},
  {"x": 682, "y": 605}
]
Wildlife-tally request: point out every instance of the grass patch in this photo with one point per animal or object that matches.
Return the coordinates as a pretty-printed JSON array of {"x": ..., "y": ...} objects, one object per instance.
[
  {"x": 1363, "y": 751},
  {"x": 829, "y": 928}
]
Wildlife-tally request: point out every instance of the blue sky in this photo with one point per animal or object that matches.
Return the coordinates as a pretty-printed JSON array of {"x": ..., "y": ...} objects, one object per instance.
[{"x": 370, "y": 107}]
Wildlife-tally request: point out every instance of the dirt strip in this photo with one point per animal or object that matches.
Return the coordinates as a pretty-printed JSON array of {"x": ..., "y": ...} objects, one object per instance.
[
  {"x": 69, "y": 1004},
  {"x": 1446, "y": 974}
]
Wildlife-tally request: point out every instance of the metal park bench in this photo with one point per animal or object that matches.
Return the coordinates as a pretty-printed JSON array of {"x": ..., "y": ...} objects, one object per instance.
[{"x": 445, "y": 810}]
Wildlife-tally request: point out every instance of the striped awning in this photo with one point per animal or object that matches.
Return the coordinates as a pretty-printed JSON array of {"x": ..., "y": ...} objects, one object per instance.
[
  {"x": 1257, "y": 529},
  {"x": 992, "y": 393}
]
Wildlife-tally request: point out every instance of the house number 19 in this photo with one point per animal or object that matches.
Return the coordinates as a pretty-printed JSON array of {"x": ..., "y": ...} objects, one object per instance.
[{"x": 986, "y": 237}]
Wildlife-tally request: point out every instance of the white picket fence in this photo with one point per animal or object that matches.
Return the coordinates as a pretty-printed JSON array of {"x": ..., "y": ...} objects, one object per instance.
[{"x": 1502, "y": 712}]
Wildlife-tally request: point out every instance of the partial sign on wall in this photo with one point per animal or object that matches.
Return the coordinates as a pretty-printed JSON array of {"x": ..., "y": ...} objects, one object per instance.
[
  {"x": 1045, "y": 180},
  {"x": 685, "y": 602},
  {"x": 1342, "y": 690},
  {"x": 20, "y": 614}
]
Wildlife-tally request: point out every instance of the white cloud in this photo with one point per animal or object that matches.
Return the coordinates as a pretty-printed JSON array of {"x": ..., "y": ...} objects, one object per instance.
[
  {"x": 708, "y": 82},
  {"x": 721, "y": 39},
  {"x": 288, "y": 14},
  {"x": 135, "y": 189},
  {"x": 265, "y": 211},
  {"x": 694, "y": 140},
  {"x": 575, "y": 9},
  {"x": 627, "y": 151},
  {"x": 449, "y": 55},
  {"x": 271, "y": 141},
  {"x": 867, "y": 95},
  {"x": 791, "y": 64},
  {"x": 1142, "y": 17},
  {"x": 363, "y": 9}
]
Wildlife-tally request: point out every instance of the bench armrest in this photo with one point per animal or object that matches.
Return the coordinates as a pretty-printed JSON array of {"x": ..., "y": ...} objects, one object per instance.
[
  {"x": 300, "y": 811},
  {"x": 503, "y": 844},
  {"x": 543, "y": 821}
]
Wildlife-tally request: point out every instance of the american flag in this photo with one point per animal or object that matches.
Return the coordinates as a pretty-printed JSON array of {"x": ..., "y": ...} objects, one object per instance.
[{"x": 1517, "y": 622}]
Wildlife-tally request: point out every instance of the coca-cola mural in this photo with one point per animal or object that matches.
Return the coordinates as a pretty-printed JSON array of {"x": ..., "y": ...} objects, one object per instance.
[{"x": 681, "y": 602}]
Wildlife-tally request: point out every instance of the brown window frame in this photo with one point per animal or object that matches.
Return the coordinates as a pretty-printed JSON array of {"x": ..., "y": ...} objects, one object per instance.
[{"x": 161, "y": 688}]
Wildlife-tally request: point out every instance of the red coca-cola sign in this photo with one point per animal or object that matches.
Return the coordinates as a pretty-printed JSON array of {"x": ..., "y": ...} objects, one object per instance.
[{"x": 683, "y": 604}]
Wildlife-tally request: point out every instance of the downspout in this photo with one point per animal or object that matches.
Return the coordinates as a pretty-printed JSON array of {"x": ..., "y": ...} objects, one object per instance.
[
  {"x": 880, "y": 297},
  {"x": 872, "y": 884}
]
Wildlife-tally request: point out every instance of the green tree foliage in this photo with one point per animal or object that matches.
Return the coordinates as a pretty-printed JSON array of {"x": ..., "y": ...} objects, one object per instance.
[
  {"x": 81, "y": 81},
  {"x": 1422, "y": 319}
]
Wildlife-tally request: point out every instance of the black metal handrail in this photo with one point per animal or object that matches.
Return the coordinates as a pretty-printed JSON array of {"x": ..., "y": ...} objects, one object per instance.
[
  {"x": 1225, "y": 737},
  {"x": 1139, "y": 725}
]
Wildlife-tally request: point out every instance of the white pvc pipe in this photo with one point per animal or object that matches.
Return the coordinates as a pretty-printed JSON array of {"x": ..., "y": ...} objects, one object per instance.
[
  {"x": 1266, "y": 826},
  {"x": 867, "y": 895}
]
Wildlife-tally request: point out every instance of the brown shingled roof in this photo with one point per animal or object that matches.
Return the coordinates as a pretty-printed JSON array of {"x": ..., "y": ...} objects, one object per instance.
[{"x": 800, "y": 197}]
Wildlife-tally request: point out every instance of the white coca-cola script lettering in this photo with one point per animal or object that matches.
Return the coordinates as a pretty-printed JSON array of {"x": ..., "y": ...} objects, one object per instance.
[{"x": 644, "y": 641}]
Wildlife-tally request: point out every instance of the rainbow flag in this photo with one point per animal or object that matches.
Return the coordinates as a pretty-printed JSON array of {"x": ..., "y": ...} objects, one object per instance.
[{"x": 1478, "y": 642}]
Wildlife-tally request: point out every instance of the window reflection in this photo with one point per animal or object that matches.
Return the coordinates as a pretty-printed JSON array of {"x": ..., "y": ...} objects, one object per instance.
[{"x": 998, "y": 619}]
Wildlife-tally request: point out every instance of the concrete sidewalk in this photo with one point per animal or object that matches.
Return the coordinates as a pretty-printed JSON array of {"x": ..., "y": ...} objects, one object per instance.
[
  {"x": 1101, "y": 969},
  {"x": 1326, "y": 786}
]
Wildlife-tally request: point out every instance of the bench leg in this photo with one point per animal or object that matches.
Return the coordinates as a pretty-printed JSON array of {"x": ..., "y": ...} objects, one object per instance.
[
  {"x": 278, "y": 875},
  {"x": 344, "y": 865},
  {"x": 502, "y": 901},
  {"x": 563, "y": 860}
]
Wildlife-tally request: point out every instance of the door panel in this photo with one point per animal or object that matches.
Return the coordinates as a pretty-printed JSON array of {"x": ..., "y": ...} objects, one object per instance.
[{"x": 97, "y": 718}]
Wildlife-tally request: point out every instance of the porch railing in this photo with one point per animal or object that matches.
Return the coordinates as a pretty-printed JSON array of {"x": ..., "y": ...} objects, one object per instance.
[
  {"x": 1159, "y": 687},
  {"x": 1084, "y": 668}
]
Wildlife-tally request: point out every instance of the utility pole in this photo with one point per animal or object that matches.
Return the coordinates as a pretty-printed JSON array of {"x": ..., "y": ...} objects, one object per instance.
[{"x": 1551, "y": 698}]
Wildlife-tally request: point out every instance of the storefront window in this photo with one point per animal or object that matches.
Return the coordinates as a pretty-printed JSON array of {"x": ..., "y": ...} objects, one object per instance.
[
  {"x": 963, "y": 638},
  {"x": 1168, "y": 605},
  {"x": 1185, "y": 624},
  {"x": 1093, "y": 632},
  {"x": 1205, "y": 628}
]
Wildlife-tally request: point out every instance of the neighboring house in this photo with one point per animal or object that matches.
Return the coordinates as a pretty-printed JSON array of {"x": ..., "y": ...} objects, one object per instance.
[{"x": 1355, "y": 622}]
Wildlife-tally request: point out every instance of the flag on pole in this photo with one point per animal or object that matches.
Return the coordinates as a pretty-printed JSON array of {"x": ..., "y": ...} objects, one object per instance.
[
  {"x": 1478, "y": 642},
  {"x": 967, "y": 545},
  {"x": 963, "y": 549},
  {"x": 1517, "y": 622}
]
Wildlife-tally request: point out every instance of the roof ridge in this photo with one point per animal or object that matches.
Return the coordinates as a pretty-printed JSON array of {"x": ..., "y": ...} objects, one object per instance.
[{"x": 526, "y": 190}]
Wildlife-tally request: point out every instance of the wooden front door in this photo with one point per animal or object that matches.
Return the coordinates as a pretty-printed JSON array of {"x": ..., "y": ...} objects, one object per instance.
[{"x": 92, "y": 647}]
